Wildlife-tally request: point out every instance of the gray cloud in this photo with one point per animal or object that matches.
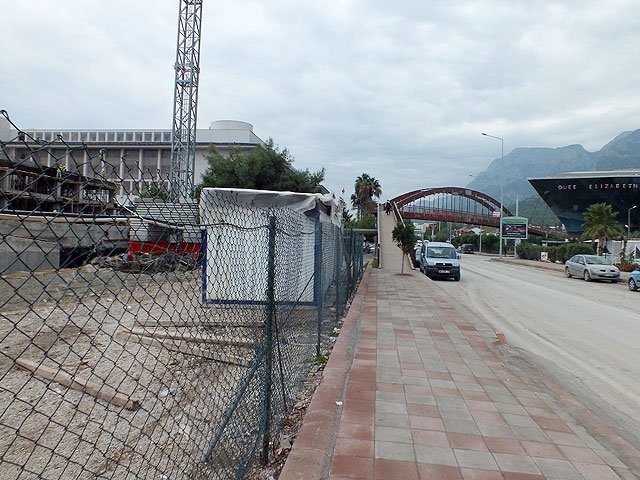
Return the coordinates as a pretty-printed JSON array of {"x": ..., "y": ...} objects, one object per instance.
[{"x": 400, "y": 90}]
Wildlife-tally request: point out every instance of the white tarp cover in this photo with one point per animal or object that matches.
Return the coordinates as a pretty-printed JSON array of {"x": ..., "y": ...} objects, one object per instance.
[
  {"x": 236, "y": 249},
  {"x": 304, "y": 203}
]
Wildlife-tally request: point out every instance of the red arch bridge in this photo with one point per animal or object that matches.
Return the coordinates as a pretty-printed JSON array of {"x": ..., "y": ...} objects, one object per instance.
[{"x": 454, "y": 204}]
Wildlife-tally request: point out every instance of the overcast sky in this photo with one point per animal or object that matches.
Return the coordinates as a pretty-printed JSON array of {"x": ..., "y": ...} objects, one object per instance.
[{"x": 398, "y": 89}]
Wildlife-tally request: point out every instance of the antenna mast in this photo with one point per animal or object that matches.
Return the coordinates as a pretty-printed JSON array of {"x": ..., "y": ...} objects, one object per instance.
[{"x": 185, "y": 101}]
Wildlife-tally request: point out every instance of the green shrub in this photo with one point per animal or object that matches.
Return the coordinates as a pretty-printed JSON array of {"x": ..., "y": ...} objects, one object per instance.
[
  {"x": 490, "y": 243},
  {"x": 560, "y": 253},
  {"x": 470, "y": 237},
  {"x": 557, "y": 253},
  {"x": 578, "y": 248},
  {"x": 529, "y": 251}
]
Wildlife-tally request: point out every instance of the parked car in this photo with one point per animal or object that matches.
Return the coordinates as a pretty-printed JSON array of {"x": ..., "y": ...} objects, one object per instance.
[
  {"x": 439, "y": 259},
  {"x": 416, "y": 256},
  {"x": 634, "y": 280},
  {"x": 591, "y": 267},
  {"x": 466, "y": 248},
  {"x": 368, "y": 247}
]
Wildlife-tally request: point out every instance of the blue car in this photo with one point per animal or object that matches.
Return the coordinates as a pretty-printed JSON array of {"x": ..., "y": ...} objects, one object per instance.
[{"x": 634, "y": 280}]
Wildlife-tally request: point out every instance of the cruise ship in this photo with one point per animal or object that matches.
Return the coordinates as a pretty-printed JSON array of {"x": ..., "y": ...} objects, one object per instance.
[{"x": 570, "y": 194}]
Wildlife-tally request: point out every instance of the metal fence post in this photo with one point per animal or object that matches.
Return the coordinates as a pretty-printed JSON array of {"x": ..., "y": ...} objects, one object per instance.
[
  {"x": 338, "y": 254},
  {"x": 347, "y": 245},
  {"x": 353, "y": 260},
  {"x": 360, "y": 257},
  {"x": 268, "y": 339},
  {"x": 318, "y": 282}
]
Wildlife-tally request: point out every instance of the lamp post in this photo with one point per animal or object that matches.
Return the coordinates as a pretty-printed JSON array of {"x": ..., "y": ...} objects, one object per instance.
[
  {"x": 501, "y": 186},
  {"x": 628, "y": 227},
  {"x": 480, "y": 231}
]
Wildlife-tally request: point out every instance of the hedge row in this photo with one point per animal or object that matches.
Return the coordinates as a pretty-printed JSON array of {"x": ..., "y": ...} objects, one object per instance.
[{"x": 556, "y": 253}]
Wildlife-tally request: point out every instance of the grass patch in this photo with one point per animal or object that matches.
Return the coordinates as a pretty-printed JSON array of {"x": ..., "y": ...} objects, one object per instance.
[{"x": 320, "y": 359}]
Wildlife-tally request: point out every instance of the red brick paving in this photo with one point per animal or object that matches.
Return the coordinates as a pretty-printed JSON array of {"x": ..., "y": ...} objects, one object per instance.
[{"x": 409, "y": 366}]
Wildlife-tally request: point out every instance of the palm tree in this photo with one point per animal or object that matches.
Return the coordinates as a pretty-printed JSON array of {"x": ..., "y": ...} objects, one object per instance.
[
  {"x": 366, "y": 188},
  {"x": 600, "y": 223},
  {"x": 356, "y": 203}
]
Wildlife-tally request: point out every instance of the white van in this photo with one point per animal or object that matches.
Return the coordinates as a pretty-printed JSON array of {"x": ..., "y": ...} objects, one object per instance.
[{"x": 439, "y": 259}]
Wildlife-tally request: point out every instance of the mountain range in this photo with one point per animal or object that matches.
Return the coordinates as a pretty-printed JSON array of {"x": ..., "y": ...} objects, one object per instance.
[{"x": 621, "y": 153}]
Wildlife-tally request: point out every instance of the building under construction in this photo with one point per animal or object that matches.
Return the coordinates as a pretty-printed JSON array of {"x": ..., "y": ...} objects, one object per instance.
[{"x": 132, "y": 162}]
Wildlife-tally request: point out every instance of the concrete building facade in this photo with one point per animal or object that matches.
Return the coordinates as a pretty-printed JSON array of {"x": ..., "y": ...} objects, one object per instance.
[{"x": 132, "y": 159}]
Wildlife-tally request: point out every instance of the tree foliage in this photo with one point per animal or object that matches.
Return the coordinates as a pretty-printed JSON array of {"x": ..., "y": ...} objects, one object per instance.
[
  {"x": 366, "y": 221},
  {"x": 366, "y": 189},
  {"x": 346, "y": 216},
  {"x": 601, "y": 224},
  {"x": 441, "y": 236},
  {"x": 404, "y": 236},
  {"x": 262, "y": 168},
  {"x": 490, "y": 243},
  {"x": 468, "y": 237},
  {"x": 156, "y": 190}
]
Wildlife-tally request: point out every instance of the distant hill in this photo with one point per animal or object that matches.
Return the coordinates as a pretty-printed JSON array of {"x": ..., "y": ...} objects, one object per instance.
[
  {"x": 621, "y": 153},
  {"x": 535, "y": 210}
]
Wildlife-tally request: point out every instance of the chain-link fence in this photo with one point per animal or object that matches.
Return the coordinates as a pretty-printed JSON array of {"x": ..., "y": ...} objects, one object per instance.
[{"x": 142, "y": 338}]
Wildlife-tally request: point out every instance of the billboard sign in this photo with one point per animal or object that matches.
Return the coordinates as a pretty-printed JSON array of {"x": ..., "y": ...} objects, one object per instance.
[{"x": 515, "y": 227}]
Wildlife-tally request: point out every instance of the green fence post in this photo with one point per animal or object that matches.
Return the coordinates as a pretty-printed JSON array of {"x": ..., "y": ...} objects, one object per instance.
[{"x": 268, "y": 339}]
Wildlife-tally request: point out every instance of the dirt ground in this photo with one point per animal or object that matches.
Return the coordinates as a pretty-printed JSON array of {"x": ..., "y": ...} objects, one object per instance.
[
  {"x": 80, "y": 322},
  {"x": 291, "y": 426}
]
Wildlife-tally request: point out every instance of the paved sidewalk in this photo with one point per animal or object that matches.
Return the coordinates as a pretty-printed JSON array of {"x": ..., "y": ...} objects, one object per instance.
[
  {"x": 415, "y": 390},
  {"x": 390, "y": 254}
]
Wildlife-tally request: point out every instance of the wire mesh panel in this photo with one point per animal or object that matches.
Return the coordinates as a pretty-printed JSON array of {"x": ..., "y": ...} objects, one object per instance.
[{"x": 147, "y": 338}]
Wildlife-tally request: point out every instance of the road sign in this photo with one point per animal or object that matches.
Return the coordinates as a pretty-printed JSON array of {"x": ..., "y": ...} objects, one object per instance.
[{"x": 496, "y": 214}]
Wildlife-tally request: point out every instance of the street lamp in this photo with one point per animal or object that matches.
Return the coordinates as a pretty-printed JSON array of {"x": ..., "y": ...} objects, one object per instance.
[
  {"x": 629, "y": 226},
  {"x": 501, "y": 186}
]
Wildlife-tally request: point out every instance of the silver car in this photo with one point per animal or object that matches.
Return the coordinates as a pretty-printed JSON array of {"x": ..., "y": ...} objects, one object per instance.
[
  {"x": 634, "y": 280},
  {"x": 591, "y": 267}
]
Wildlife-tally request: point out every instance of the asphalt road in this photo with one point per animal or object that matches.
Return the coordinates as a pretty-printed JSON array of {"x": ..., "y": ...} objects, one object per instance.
[{"x": 587, "y": 335}]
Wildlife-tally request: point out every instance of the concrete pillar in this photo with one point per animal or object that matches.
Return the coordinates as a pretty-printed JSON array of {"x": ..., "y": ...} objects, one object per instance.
[{"x": 5, "y": 130}]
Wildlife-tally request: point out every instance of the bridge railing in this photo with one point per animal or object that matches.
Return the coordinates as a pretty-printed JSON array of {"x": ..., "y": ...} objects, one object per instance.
[{"x": 444, "y": 214}]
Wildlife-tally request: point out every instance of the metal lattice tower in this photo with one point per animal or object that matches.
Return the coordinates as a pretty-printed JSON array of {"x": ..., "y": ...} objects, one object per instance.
[{"x": 185, "y": 101}]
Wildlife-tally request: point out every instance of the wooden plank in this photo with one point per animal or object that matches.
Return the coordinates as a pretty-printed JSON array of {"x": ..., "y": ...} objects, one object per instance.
[
  {"x": 166, "y": 335},
  {"x": 195, "y": 323},
  {"x": 103, "y": 392},
  {"x": 187, "y": 349}
]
